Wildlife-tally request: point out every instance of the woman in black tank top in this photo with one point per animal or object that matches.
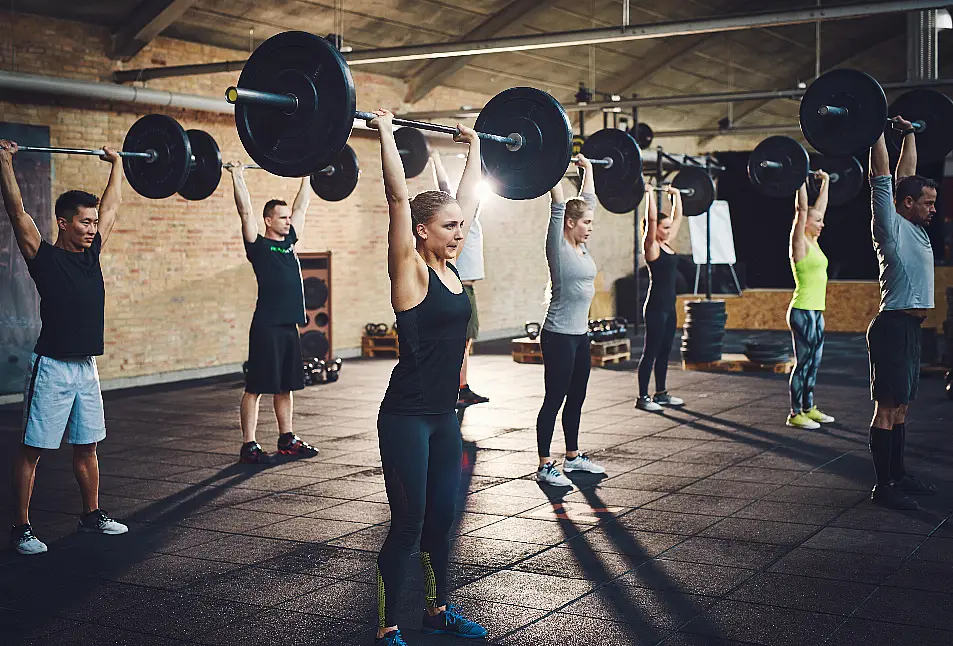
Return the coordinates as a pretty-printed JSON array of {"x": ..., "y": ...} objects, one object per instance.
[
  {"x": 421, "y": 448},
  {"x": 660, "y": 318}
]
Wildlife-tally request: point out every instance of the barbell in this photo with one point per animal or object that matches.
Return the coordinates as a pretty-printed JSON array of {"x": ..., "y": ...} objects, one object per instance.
[
  {"x": 295, "y": 108},
  {"x": 779, "y": 165},
  {"x": 332, "y": 183},
  {"x": 844, "y": 111}
]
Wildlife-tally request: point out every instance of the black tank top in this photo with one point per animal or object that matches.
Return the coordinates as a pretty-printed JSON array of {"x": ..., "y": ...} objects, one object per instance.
[
  {"x": 432, "y": 337},
  {"x": 662, "y": 273}
]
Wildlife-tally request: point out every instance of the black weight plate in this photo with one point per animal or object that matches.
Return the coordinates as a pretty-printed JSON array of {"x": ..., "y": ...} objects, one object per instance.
[
  {"x": 315, "y": 344},
  {"x": 615, "y": 184},
  {"x": 418, "y": 150},
  {"x": 850, "y": 135},
  {"x": 849, "y": 180},
  {"x": 544, "y": 156},
  {"x": 206, "y": 171},
  {"x": 308, "y": 66},
  {"x": 315, "y": 293},
  {"x": 696, "y": 178},
  {"x": 936, "y": 111},
  {"x": 643, "y": 135},
  {"x": 165, "y": 175},
  {"x": 340, "y": 183},
  {"x": 778, "y": 182}
]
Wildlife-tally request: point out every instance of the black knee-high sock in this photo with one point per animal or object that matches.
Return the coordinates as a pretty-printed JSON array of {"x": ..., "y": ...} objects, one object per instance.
[
  {"x": 880, "y": 444},
  {"x": 898, "y": 435}
]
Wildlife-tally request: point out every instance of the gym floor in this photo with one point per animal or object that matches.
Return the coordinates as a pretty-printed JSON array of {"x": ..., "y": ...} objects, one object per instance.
[{"x": 716, "y": 525}]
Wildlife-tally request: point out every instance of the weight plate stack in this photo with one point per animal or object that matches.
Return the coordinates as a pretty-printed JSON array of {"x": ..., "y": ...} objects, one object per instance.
[
  {"x": 766, "y": 352},
  {"x": 704, "y": 331}
]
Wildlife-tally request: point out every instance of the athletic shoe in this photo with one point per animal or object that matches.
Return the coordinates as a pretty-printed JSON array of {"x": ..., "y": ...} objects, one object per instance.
[
  {"x": 467, "y": 397},
  {"x": 252, "y": 453},
  {"x": 393, "y": 638},
  {"x": 451, "y": 622},
  {"x": 582, "y": 462},
  {"x": 664, "y": 399},
  {"x": 645, "y": 403},
  {"x": 912, "y": 485},
  {"x": 549, "y": 474},
  {"x": 818, "y": 416},
  {"x": 23, "y": 540},
  {"x": 98, "y": 522},
  {"x": 891, "y": 497},
  {"x": 291, "y": 444},
  {"x": 801, "y": 420}
]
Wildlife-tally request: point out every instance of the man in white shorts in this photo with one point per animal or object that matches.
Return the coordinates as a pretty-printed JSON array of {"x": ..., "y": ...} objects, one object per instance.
[{"x": 63, "y": 395}]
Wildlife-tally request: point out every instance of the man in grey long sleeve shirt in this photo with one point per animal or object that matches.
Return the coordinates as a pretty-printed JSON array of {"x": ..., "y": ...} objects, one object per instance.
[{"x": 906, "y": 296}]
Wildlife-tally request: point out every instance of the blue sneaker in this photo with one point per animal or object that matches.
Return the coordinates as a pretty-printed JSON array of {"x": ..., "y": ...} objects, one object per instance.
[
  {"x": 393, "y": 638},
  {"x": 451, "y": 622}
]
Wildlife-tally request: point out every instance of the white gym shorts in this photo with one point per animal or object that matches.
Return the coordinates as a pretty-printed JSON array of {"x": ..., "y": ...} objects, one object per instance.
[{"x": 62, "y": 396}]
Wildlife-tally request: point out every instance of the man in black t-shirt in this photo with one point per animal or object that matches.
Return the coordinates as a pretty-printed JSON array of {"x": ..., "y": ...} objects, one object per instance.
[
  {"x": 63, "y": 394},
  {"x": 274, "y": 347}
]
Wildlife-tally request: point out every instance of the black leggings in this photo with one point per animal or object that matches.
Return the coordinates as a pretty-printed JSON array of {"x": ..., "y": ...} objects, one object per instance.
[
  {"x": 421, "y": 457},
  {"x": 566, "y": 364},
  {"x": 807, "y": 330},
  {"x": 660, "y": 327}
]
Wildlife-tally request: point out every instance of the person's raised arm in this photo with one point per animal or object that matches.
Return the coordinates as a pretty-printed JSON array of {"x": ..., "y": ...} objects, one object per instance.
[
  {"x": 24, "y": 228},
  {"x": 677, "y": 212},
  {"x": 112, "y": 196},
  {"x": 243, "y": 201},
  {"x": 907, "y": 164},
  {"x": 650, "y": 245},
  {"x": 820, "y": 204},
  {"x": 879, "y": 160},
  {"x": 440, "y": 178},
  {"x": 468, "y": 191},
  {"x": 300, "y": 208},
  {"x": 401, "y": 246},
  {"x": 798, "y": 243},
  {"x": 588, "y": 182}
]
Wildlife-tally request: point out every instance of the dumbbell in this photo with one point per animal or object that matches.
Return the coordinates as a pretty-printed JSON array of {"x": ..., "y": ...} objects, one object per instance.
[{"x": 779, "y": 165}]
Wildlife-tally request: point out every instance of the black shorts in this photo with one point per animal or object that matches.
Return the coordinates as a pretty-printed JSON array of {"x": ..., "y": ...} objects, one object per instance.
[
  {"x": 893, "y": 342},
  {"x": 274, "y": 359}
]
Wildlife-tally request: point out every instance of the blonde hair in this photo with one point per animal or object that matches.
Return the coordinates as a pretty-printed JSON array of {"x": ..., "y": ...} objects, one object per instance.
[
  {"x": 576, "y": 208},
  {"x": 424, "y": 206}
]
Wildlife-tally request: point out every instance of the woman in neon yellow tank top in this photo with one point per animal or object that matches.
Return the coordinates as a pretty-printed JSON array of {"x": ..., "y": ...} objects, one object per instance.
[{"x": 806, "y": 313}]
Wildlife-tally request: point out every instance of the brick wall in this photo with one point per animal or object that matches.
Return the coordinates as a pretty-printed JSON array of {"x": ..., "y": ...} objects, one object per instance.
[{"x": 180, "y": 293}]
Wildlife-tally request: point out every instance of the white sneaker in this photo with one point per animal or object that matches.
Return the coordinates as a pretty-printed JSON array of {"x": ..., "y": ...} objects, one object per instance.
[
  {"x": 646, "y": 403},
  {"x": 802, "y": 421},
  {"x": 582, "y": 462},
  {"x": 664, "y": 399},
  {"x": 549, "y": 474},
  {"x": 25, "y": 542},
  {"x": 98, "y": 522}
]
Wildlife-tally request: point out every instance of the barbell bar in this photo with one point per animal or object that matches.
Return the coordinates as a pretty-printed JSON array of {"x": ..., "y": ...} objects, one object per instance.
[
  {"x": 295, "y": 108},
  {"x": 149, "y": 155}
]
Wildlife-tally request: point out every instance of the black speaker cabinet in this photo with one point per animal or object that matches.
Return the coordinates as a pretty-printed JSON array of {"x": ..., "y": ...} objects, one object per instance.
[{"x": 316, "y": 332}]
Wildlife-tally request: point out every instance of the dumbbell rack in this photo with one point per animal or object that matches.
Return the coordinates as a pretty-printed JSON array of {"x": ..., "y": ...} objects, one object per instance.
[{"x": 382, "y": 346}]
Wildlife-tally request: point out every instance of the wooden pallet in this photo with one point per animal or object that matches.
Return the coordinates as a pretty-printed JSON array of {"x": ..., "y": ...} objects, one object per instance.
[
  {"x": 604, "y": 353},
  {"x": 526, "y": 350},
  {"x": 739, "y": 363},
  {"x": 384, "y": 346}
]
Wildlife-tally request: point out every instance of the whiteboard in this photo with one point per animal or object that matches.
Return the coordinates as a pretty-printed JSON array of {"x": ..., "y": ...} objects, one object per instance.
[{"x": 722, "y": 241}]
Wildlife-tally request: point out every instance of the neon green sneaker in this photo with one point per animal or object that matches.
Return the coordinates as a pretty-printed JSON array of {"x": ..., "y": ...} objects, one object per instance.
[
  {"x": 818, "y": 416},
  {"x": 801, "y": 420}
]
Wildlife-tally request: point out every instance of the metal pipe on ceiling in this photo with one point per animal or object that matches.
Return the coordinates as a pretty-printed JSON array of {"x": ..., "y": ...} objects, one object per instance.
[{"x": 664, "y": 29}]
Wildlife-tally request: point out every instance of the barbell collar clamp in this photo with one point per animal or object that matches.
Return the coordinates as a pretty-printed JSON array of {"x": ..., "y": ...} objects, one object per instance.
[
  {"x": 767, "y": 163},
  {"x": 832, "y": 111}
]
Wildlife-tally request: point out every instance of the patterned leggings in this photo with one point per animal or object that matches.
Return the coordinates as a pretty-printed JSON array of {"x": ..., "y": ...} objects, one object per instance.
[{"x": 807, "y": 331}]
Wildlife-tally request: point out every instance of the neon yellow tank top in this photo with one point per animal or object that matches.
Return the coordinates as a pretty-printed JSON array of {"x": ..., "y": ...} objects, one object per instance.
[{"x": 810, "y": 279}]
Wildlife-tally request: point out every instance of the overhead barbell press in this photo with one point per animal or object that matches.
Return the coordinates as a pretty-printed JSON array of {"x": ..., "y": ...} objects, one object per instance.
[
  {"x": 779, "y": 165},
  {"x": 295, "y": 108}
]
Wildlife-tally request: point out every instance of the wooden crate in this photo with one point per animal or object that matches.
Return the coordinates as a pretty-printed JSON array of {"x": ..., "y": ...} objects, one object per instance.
[
  {"x": 526, "y": 350},
  {"x": 739, "y": 363},
  {"x": 380, "y": 346},
  {"x": 604, "y": 353}
]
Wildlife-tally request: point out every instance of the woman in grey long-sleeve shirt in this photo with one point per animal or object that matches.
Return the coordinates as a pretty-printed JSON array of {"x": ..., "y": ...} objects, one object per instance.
[{"x": 565, "y": 336}]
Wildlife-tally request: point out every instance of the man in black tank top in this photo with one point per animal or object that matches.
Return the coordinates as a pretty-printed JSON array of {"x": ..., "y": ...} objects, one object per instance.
[
  {"x": 274, "y": 348},
  {"x": 63, "y": 394}
]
